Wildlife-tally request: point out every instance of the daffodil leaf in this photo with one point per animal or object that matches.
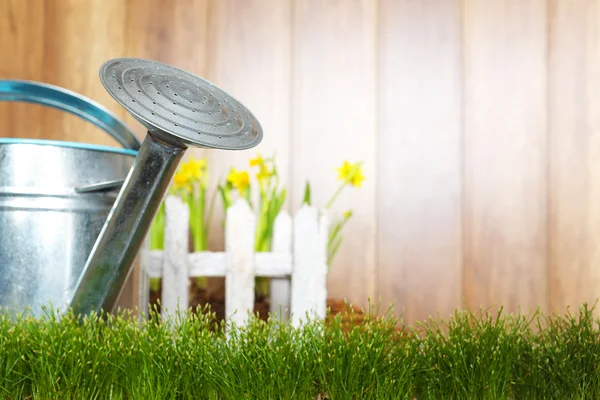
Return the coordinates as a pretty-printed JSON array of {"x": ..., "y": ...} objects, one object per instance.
[
  {"x": 225, "y": 196},
  {"x": 333, "y": 250},
  {"x": 157, "y": 229},
  {"x": 335, "y": 232},
  {"x": 337, "y": 228},
  {"x": 306, "y": 200}
]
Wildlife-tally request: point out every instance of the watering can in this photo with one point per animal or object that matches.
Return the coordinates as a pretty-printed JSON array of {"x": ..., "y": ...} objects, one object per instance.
[{"x": 74, "y": 216}]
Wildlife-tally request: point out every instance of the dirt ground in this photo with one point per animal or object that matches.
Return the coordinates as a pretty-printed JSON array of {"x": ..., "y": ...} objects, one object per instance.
[{"x": 216, "y": 299}]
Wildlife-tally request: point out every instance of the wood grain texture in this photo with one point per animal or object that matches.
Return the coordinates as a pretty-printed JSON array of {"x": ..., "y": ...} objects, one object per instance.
[
  {"x": 74, "y": 52},
  {"x": 250, "y": 59},
  {"x": 21, "y": 29},
  {"x": 334, "y": 119},
  {"x": 574, "y": 68},
  {"x": 505, "y": 154},
  {"x": 419, "y": 157},
  {"x": 174, "y": 33}
]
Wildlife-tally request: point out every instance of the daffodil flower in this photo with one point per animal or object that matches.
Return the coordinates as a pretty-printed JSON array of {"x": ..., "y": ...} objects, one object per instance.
[
  {"x": 239, "y": 180},
  {"x": 357, "y": 179},
  {"x": 344, "y": 171},
  {"x": 232, "y": 175},
  {"x": 194, "y": 168},
  {"x": 352, "y": 175},
  {"x": 349, "y": 174},
  {"x": 336, "y": 237},
  {"x": 263, "y": 174},
  {"x": 257, "y": 161},
  {"x": 181, "y": 180}
]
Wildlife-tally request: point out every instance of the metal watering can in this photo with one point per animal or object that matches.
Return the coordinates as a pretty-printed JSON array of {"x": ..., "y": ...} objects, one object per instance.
[{"x": 73, "y": 216}]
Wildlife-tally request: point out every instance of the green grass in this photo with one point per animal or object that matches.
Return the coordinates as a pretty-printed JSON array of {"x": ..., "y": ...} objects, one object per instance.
[{"x": 481, "y": 355}]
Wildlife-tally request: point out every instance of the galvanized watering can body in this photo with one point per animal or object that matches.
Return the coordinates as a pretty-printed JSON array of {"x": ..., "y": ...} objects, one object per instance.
[{"x": 54, "y": 200}]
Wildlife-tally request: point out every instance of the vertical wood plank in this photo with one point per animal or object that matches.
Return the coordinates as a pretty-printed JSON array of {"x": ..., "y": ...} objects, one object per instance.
[
  {"x": 334, "y": 119},
  {"x": 574, "y": 147},
  {"x": 309, "y": 268},
  {"x": 174, "y": 33},
  {"x": 239, "y": 249},
  {"x": 505, "y": 165},
  {"x": 280, "y": 287},
  {"x": 21, "y": 31},
  {"x": 79, "y": 37},
  {"x": 419, "y": 157},
  {"x": 174, "y": 296},
  {"x": 249, "y": 47}
]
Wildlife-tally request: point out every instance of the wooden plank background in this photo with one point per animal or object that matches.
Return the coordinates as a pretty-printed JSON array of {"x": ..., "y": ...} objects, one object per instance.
[
  {"x": 477, "y": 122},
  {"x": 505, "y": 153},
  {"x": 419, "y": 155}
]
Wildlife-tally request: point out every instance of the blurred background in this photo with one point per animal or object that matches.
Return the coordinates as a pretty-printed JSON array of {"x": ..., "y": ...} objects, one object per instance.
[{"x": 477, "y": 122}]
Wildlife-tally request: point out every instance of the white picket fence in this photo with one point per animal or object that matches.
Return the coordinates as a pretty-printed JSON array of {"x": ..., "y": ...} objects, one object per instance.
[{"x": 297, "y": 263}]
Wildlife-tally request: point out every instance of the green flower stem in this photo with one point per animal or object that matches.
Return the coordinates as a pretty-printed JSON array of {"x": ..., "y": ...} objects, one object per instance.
[
  {"x": 262, "y": 224},
  {"x": 260, "y": 245},
  {"x": 225, "y": 192},
  {"x": 197, "y": 205},
  {"x": 332, "y": 250},
  {"x": 335, "y": 239},
  {"x": 337, "y": 229},
  {"x": 335, "y": 196},
  {"x": 198, "y": 232},
  {"x": 157, "y": 229}
]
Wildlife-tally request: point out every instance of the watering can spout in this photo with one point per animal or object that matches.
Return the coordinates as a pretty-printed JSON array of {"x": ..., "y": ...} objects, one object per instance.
[
  {"x": 179, "y": 110},
  {"x": 109, "y": 264}
]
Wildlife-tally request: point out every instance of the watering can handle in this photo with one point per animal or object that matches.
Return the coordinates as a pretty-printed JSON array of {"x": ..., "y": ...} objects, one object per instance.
[{"x": 66, "y": 100}]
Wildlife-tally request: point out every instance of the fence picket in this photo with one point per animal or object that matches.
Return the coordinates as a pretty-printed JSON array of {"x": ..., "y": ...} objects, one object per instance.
[
  {"x": 280, "y": 287},
  {"x": 239, "y": 253},
  {"x": 174, "y": 266},
  {"x": 309, "y": 275}
]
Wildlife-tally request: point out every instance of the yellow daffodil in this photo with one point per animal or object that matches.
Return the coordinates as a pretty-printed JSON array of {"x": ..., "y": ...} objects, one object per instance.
[
  {"x": 239, "y": 180},
  {"x": 194, "y": 168},
  {"x": 257, "y": 161},
  {"x": 263, "y": 174},
  {"x": 199, "y": 164},
  {"x": 357, "y": 178},
  {"x": 181, "y": 180},
  {"x": 349, "y": 174},
  {"x": 344, "y": 171},
  {"x": 232, "y": 175}
]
